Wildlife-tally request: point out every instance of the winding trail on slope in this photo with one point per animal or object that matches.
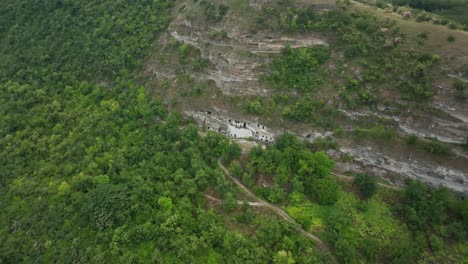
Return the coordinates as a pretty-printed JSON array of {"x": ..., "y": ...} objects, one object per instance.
[{"x": 279, "y": 212}]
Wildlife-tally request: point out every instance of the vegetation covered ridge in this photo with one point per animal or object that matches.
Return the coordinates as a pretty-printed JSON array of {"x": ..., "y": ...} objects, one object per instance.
[{"x": 95, "y": 170}]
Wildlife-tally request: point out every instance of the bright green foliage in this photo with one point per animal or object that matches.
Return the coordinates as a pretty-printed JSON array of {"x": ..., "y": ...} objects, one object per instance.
[
  {"x": 368, "y": 230},
  {"x": 94, "y": 171},
  {"x": 283, "y": 257},
  {"x": 352, "y": 226},
  {"x": 165, "y": 202},
  {"x": 118, "y": 171},
  {"x": 85, "y": 165},
  {"x": 298, "y": 68}
]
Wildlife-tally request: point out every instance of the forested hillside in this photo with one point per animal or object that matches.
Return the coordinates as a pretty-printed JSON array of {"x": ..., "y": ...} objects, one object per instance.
[{"x": 95, "y": 169}]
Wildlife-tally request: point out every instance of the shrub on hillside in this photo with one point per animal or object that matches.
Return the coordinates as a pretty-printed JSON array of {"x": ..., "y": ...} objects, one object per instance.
[
  {"x": 423, "y": 16},
  {"x": 459, "y": 89},
  {"x": 436, "y": 147},
  {"x": 452, "y": 26},
  {"x": 367, "y": 184}
]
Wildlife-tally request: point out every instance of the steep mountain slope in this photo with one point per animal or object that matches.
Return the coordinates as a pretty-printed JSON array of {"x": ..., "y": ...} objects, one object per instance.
[
  {"x": 391, "y": 83},
  {"x": 98, "y": 166}
]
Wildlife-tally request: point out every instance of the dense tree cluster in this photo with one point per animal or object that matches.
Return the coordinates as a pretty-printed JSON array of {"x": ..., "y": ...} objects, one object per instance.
[
  {"x": 434, "y": 212},
  {"x": 293, "y": 167}
]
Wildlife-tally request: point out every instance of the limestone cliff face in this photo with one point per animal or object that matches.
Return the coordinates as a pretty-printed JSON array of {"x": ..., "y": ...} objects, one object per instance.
[
  {"x": 364, "y": 159},
  {"x": 229, "y": 126},
  {"x": 237, "y": 56}
]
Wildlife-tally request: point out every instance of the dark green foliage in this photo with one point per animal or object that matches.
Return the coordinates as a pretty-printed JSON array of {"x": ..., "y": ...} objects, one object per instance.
[
  {"x": 377, "y": 133},
  {"x": 404, "y": 251},
  {"x": 304, "y": 109},
  {"x": 457, "y": 14},
  {"x": 431, "y": 5},
  {"x": 293, "y": 165},
  {"x": 451, "y": 38},
  {"x": 450, "y": 9},
  {"x": 325, "y": 144},
  {"x": 233, "y": 151},
  {"x": 314, "y": 111},
  {"x": 370, "y": 248},
  {"x": 254, "y": 106},
  {"x": 218, "y": 35},
  {"x": 40, "y": 41},
  {"x": 354, "y": 94},
  {"x": 444, "y": 22},
  {"x": 422, "y": 17},
  {"x": 418, "y": 87},
  {"x": 188, "y": 55},
  {"x": 432, "y": 146},
  {"x": 436, "y": 147},
  {"x": 235, "y": 169},
  {"x": 247, "y": 215},
  {"x": 324, "y": 190},
  {"x": 229, "y": 202},
  {"x": 460, "y": 87},
  {"x": 412, "y": 140},
  {"x": 112, "y": 181},
  {"x": 452, "y": 26},
  {"x": 423, "y": 35},
  {"x": 107, "y": 205},
  {"x": 212, "y": 12},
  {"x": 367, "y": 184},
  {"x": 427, "y": 210},
  {"x": 298, "y": 68},
  {"x": 345, "y": 251}
]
